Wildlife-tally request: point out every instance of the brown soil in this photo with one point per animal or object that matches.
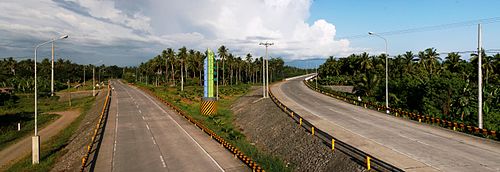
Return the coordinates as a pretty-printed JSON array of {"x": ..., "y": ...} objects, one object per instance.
[
  {"x": 276, "y": 133},
  {"x": 22, "y": 148},
  {"x": 74, "y": 151}
]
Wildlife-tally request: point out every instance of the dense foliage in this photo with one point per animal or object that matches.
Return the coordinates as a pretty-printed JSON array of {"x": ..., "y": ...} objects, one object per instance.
[
  {"x": 19, "y": 74},
  {"x": 169, "y": 66},
  {"x": 423, "y": 83}
]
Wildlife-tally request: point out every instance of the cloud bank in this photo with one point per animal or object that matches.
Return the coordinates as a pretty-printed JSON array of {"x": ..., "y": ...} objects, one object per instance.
[{"x": 126, "y": 32}]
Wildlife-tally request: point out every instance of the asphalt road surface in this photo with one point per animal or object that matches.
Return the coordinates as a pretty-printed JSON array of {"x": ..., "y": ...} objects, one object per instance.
[
  {"x": 144, "y": 135},
  {"x": 406, "y": 144}
]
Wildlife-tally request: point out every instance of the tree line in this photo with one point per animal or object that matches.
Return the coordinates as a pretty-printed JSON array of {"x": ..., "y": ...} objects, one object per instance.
[
  {"x": 423, "y": 83},
  {"x": 19, "y": 75},
  {"x": 170, "y": 67}
]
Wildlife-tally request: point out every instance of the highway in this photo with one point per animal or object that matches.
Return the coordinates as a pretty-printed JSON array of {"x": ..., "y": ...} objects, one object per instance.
[
  {"x": 409, "y": 145},
  {"x": 142, "y": 134}
]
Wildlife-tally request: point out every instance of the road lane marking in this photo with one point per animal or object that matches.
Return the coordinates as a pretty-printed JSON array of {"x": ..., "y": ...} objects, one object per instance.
[
  {"x": 140, "y": 111},
  {"x": 154, "y": 142},
  {"x": 148, "y": 126},
  {"x": 143, "y": 118},
  {"x": 185, "y": 132},
  {"x": 163, "y": 162},
  {"x": 348, "y": 130}
]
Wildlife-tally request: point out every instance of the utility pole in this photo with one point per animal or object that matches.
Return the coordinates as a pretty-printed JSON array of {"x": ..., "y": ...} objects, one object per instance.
[
  {"x": 182, "y": 76},
  {"x": 93, "y": 81},
  {"x": 217, "y": 86},
  {"x": 84, "y": 67},
  {"x": 480, "y": 78},
  {"x": 69, "y": 92},
  {"x": 316, "y": 78},
  {"x": 265, "y": 76},
  {"x": 52, "y": 73}
]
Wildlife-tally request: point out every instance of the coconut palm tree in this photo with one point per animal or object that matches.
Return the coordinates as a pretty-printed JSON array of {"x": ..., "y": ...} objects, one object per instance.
[
  {"x": 408, "y": 61},
  {"x": 165, "y": 59},
  {"x": 452, "y": 62},
  {"x": 172, "y": 60},
  {"x": 432, "y": 58},
  {"x": 222, "y": 51}
]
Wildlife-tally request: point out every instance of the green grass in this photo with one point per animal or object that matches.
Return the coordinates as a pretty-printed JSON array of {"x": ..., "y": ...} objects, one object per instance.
[
  {"x": 52, "y": 149},
  {"x": 23, "y": 112},
  {"x": 222, "y": 122}
]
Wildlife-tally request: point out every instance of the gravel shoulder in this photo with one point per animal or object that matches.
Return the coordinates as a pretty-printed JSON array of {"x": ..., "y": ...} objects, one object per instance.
[
  {"x": 72, "y": 158},
  {"x": 272, "y": 131}
]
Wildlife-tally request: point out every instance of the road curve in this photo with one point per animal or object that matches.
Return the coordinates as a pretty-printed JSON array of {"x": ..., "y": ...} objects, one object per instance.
[
  {"x": 406, "y": 144},
  {"x": 144, "y": 135}
]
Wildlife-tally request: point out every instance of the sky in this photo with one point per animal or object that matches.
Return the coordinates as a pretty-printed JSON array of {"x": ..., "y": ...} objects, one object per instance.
[{"x": 127, "y": 32}]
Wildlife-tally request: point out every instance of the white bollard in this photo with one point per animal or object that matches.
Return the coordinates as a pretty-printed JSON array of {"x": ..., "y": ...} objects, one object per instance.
[{"x": 18, "y": 126}]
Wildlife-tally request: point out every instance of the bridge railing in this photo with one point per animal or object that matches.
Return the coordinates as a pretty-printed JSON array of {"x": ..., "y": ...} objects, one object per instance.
[
  {"x": 363, "y": 158},
  {"x": 456, "y": 126}
]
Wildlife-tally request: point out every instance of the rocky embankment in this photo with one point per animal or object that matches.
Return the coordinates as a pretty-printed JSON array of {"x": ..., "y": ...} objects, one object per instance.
[{"x": 274, "y": 132}]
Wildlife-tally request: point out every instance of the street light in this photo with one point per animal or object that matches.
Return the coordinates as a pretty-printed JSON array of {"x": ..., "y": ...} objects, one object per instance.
[
  {"x": 36, "y": 139},
  {"x": 386, "y": 72},
  {"x": 265, "y": 74}
]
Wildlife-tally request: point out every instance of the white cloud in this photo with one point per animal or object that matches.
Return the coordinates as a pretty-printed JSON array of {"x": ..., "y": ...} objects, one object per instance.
[{"x": 147, "y": 27}]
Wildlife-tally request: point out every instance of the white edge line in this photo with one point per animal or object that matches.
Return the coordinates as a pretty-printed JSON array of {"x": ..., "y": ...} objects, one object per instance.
[
  {"x": 211, "y": 158},
  {"x": 162, "y": 161}
]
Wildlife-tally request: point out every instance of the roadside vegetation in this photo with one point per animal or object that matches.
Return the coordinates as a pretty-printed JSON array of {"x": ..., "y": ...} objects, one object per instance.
[
  {"x": 21, "y": 110},
  {"x": 162, "y": 75},
  {"x": 53, "y": 148},
  {"x": 423, "y": 83}
]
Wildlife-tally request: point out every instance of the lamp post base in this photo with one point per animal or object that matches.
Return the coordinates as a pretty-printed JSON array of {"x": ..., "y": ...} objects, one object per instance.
[{"x": 35, "y": 140}]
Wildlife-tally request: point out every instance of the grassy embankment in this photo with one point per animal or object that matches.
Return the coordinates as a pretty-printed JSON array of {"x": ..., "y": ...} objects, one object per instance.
[
  {"x": 222, "y": 122},
  {"x": 51, "y": 149}
]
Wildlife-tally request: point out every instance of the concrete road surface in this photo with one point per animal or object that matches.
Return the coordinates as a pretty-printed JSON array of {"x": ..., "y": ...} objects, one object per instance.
[
  {"x": 144, "y": 135},
  {"x": 406, "y": 144}
]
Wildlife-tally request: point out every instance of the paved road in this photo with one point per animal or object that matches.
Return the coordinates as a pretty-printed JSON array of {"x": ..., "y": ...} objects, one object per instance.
[
  {"x": 18, "y": 150},
  {"x": 143, "y": 135},
  {"x": 407, "y": 144}
]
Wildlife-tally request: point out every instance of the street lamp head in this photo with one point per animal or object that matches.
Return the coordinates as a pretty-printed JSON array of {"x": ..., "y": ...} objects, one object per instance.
[
  {"x": 64, "y": 37},
  {"x": 370, "y": 33}
]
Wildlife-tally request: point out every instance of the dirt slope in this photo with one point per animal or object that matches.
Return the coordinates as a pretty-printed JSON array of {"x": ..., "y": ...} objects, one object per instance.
[{"x": 274, "y": 132}]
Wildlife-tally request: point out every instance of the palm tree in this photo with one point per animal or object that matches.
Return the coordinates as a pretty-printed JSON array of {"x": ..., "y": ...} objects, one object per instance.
[
  {"x": 182, "y": 54},
  {"x": 222, "y": 51},
  {"x": 432, "y": 57},
  {"x": 172, "y": 60},
  {"x": 365, "y": 63},
  {"x": 164, "y": 57},
  {"x": 452, "y": 62},
  {"x": 199, "y": 65},
  {"x": 248, "y": 63},
  {"x": 408, "y": 61},
  {"x": 487, "y": 63}
]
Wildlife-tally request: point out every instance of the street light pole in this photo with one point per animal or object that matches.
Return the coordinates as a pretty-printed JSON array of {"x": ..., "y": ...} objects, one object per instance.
[
  {"x": 480, "y": 78},
  {"x": 36, "y": 139},
  {"x": 386, "y": 72},
  {"x": 93, "y": 81},
  {"x": 84, "y": 67},
  {"x": 266, "y": 71},
  {"x": 52, "y": 73}
]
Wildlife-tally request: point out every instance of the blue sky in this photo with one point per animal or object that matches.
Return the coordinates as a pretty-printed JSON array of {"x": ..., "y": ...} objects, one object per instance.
[
  {"x": 360, "y": 16},
  {"x": 127, "y": 32}
]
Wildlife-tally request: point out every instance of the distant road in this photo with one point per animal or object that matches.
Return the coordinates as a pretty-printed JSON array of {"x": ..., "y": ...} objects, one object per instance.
[
  {"x": 144, "y": 135},
  {"x": 403, "y": 143}
]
